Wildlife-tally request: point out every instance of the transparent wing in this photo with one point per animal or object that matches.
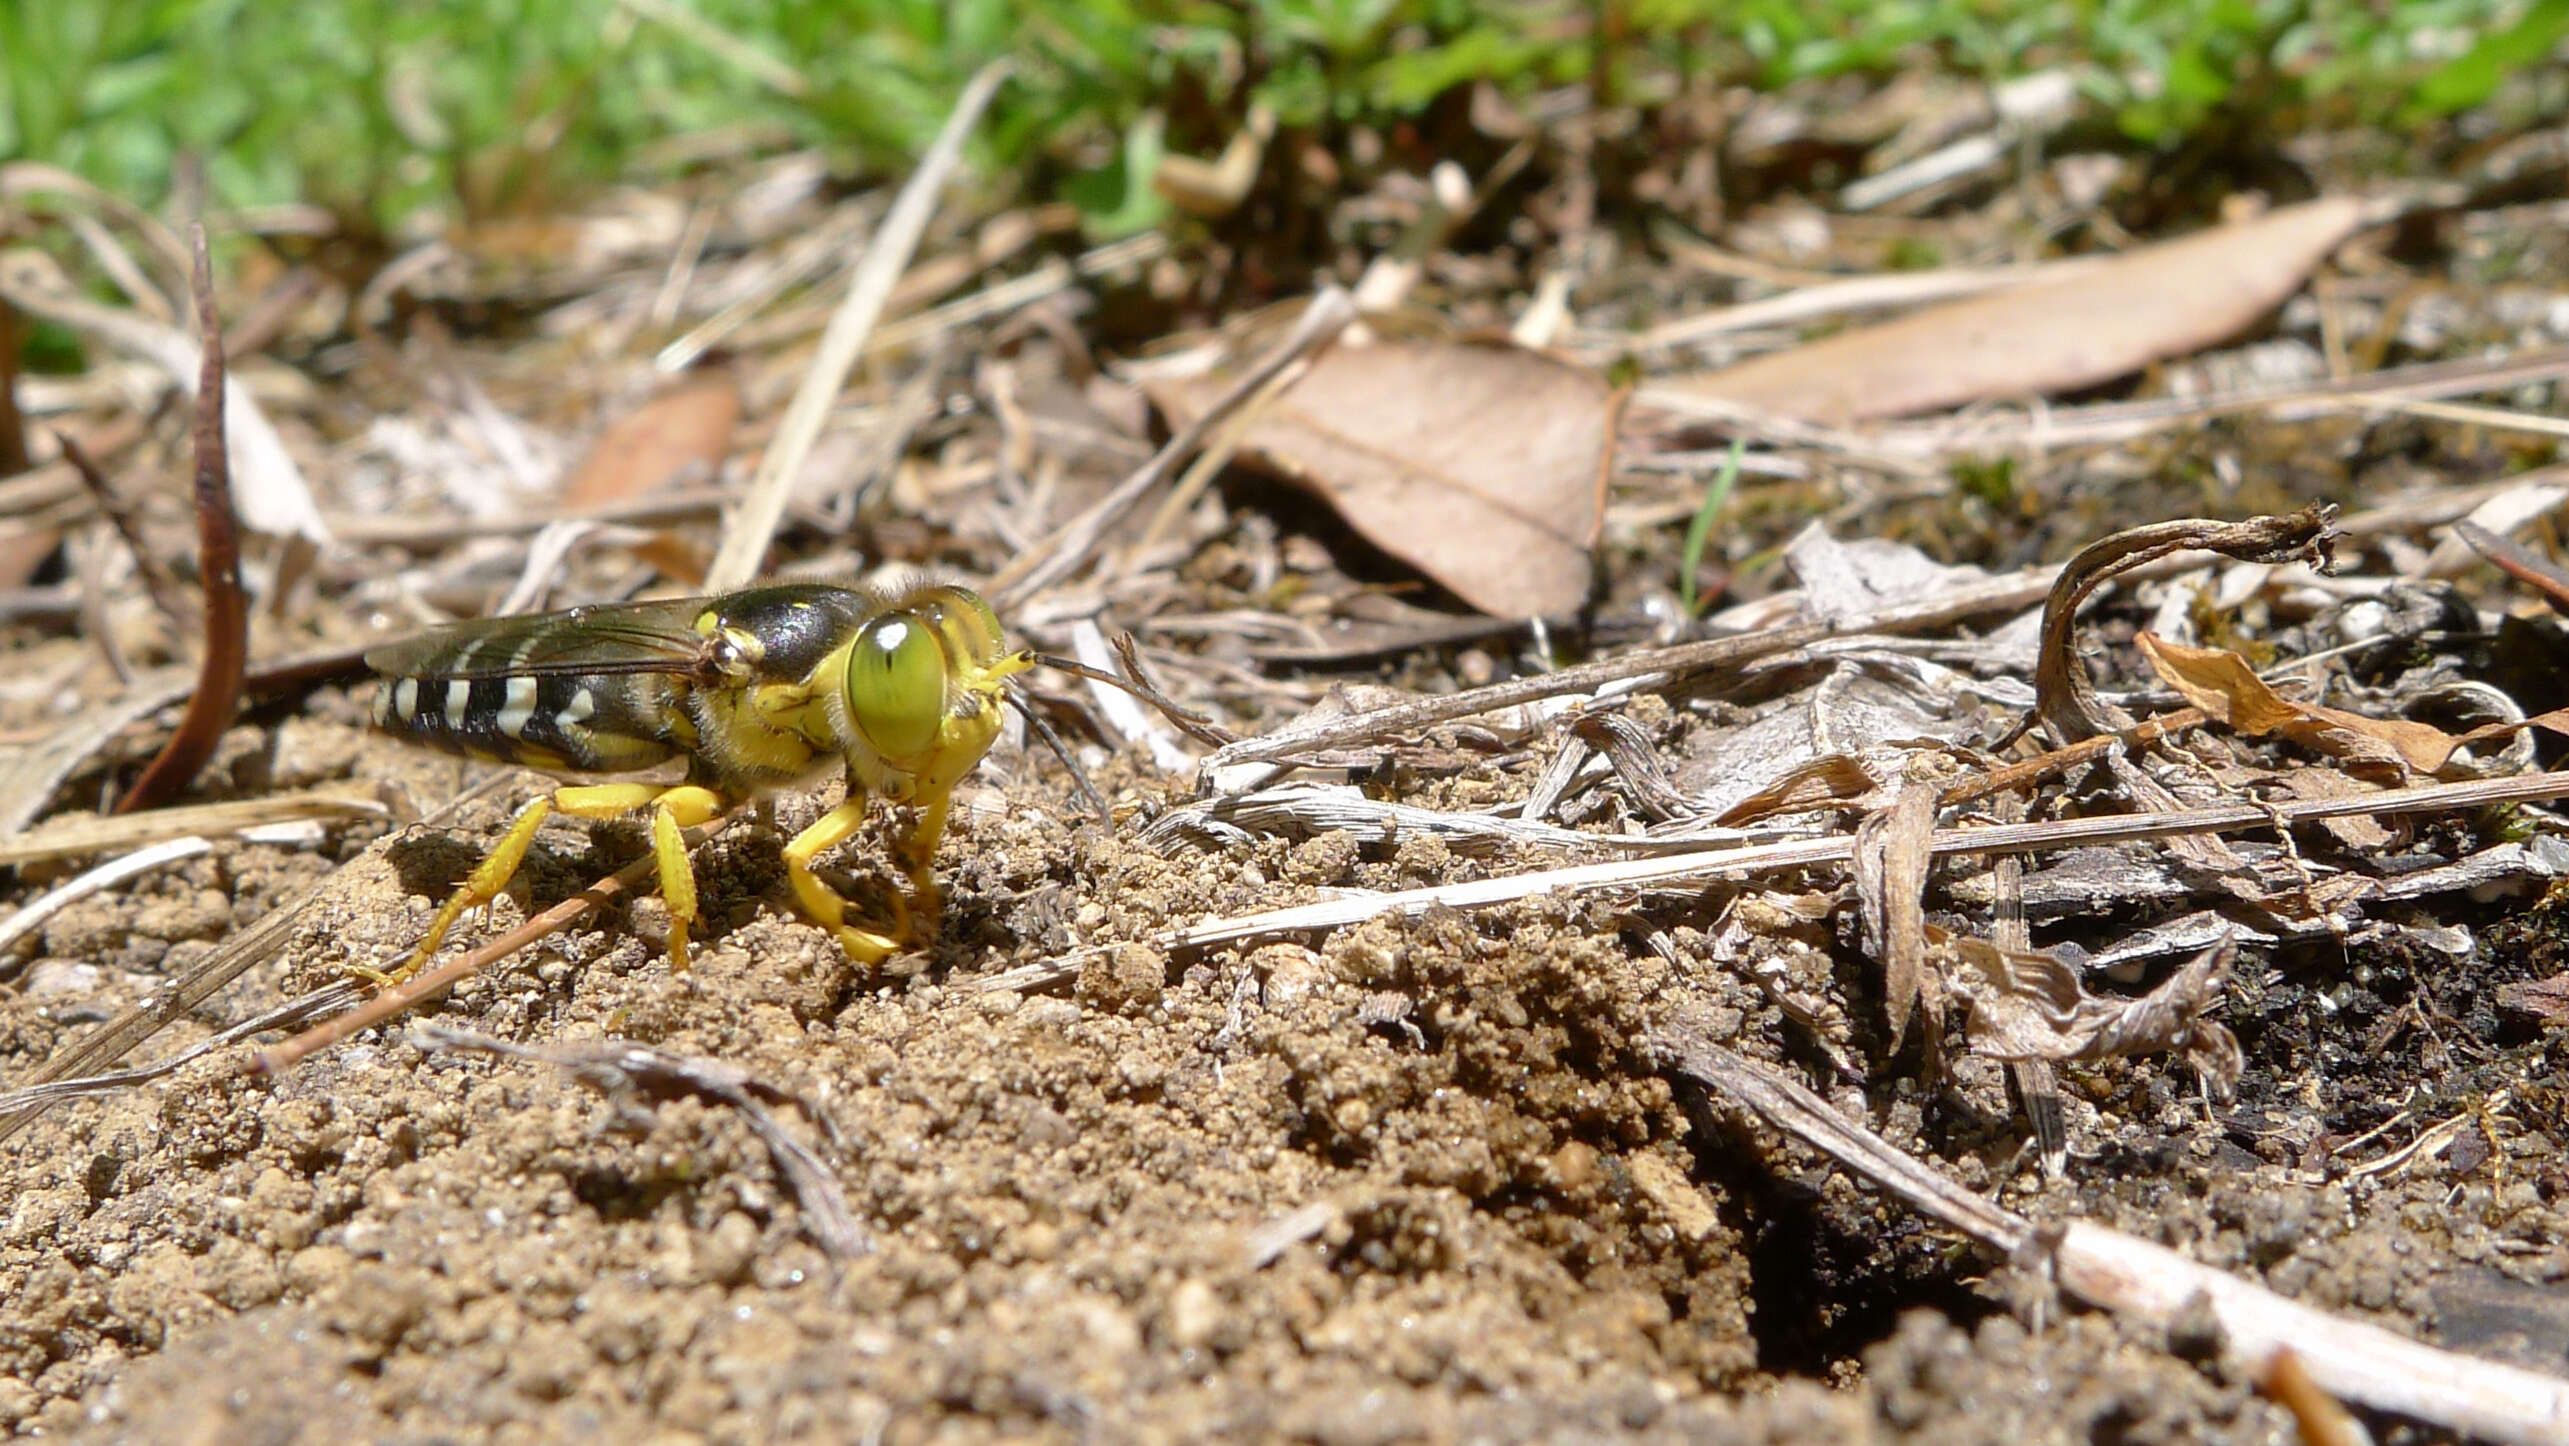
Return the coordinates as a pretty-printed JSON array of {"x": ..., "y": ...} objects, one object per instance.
[{"x": 649, "y": 637}]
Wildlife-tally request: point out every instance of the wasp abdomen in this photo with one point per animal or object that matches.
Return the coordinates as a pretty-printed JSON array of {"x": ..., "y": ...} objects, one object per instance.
[{"x": 587, "y": 723}]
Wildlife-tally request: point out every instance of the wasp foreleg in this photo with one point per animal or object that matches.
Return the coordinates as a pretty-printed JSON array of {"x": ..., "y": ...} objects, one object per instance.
[{"x": 820, "y": 903}]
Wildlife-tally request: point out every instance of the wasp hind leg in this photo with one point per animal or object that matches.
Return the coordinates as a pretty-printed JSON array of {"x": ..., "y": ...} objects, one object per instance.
[
  {"x": 487, "y": 881},
  {"x": 672, "y": 809}
]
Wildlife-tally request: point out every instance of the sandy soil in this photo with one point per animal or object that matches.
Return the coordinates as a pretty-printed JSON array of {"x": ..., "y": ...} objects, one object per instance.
[{"x": 1424, "y": 1182}]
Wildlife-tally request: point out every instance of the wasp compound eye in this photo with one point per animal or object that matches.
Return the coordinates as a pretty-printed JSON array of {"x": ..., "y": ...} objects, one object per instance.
[{"x": 896, "y": 686}]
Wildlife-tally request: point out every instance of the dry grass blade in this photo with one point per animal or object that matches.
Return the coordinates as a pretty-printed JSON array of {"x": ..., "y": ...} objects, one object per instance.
[
  {"x": 33, "y": 914},
  {"x": 92, "y": 833},
  {"x": 19, "y": 1105},
  {"x": 744, "y": 545},
  {"x": 1891, "y": 858},
  {"x": 2357, "y": 1362},
  {"x": 227, "y": 608},
  {"x": 1741, "y": 862},
  {"x": 621, "y": 1067}
]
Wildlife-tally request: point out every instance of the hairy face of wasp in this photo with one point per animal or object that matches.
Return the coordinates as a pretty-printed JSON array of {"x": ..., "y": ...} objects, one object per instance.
[{"x": 904, "y": 668}]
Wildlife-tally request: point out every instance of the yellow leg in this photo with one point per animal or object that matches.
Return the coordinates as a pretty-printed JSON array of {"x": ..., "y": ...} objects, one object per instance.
[
  {"x": 671, "y": 810},
  {"x": 822, "y": 904},
  {"x": 486, "y": 882},
  {"x": 919, "y": 857}
]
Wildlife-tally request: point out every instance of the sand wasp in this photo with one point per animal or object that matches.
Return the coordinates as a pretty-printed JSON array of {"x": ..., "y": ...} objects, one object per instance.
[{"x": 756, "y": 690}]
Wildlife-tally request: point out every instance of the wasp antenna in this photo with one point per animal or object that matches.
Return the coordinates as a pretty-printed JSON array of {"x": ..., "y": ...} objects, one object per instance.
[
  {"x": 1193, "y": 724},
  {"x": 1035, "y": 720}
]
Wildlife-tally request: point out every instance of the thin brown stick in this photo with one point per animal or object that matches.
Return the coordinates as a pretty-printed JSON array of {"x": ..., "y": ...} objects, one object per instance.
[
  {"x": 158, "y": 580},
  {"x": 227, "y": 610},
  {"x": 13, "y": 426},
  {"x": 2017, "y": 775}
]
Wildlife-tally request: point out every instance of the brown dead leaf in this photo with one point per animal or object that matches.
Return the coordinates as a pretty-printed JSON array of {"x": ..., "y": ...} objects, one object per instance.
[
  {"x": 2048, "y": 336},
  {"x": 688, "y": 426},
  {"x": 1829, "y": 778},
  {"x": 2544, "y": 1001},
  {"x": 2221, "y": 683},
  {"x": 1482, "y": 465}
]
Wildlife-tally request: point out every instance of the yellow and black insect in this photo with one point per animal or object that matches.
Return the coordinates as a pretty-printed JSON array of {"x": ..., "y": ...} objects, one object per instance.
[{"x": 757, "y": 690}]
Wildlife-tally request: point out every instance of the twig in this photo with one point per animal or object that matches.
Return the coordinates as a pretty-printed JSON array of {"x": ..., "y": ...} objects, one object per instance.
[
  {"x": 227, "y": 612},
  {"x": 118, "y": 1037},
  {"x": 618, "y": 1066},
  {"x": 115, "y": 871},
  {"x": 19, "y": 1105},
  {"x": 1038, "y": 568},
  {"x": 745, "y": 542},
  {"x": 2153, "y": 1284},
  {"x": 157, "y": 578}
]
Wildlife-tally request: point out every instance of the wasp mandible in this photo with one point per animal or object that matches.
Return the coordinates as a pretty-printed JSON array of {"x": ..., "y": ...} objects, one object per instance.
[{"x": 756, "y": 690}]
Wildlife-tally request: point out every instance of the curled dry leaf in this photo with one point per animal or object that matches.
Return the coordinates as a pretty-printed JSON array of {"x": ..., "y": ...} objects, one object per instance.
[
  {"x": 1482, "y": 465},
  {"x": 2065, "y": 699},
  {"x": 2029, "y": 1005},
  {"x": 2221, "y": 683},
  {"x": 685, "y": 429},
  {"x": 2048, "y": 336}
]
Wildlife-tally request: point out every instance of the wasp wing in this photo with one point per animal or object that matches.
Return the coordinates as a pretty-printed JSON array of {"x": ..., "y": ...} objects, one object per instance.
[{"x": 647, "y": 637}]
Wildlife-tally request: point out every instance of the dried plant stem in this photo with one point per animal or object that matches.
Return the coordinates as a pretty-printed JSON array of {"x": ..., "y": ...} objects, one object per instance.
[
  {"x": 227, "y": 610},
  {"x": 744, "y": 545},
  {"x": 1807, "y": 853}
]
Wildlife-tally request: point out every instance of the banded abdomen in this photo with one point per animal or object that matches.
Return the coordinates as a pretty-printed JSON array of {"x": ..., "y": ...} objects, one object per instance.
[{"x": 587, "y": 723}]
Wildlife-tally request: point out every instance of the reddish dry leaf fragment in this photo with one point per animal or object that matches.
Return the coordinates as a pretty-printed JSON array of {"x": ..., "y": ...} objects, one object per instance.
[
  {"x": 686, "y": 427},
  {"x": 2143, "y": 306},
  {"x": 1483, "y": 466},
  {"x": 2544, "y": 1001},
  {"x": 2222, "y": 684}
]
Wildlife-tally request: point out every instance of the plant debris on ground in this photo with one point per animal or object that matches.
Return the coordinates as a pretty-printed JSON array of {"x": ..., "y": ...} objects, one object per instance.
[{"x": 1890, "y": 774}]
